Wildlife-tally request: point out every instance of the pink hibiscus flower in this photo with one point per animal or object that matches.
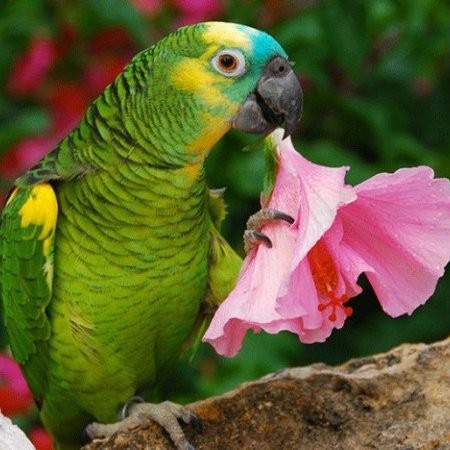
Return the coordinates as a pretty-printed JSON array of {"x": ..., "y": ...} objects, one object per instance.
[
  {"x": 40, "y": 438},
  {"x": 193, "y": 11},
  {"x": 30, "y": 70},
  {"x": 393, "y": 227},
  {"x": 15, "y": 397},
  {"x": 148, "y": 7}
]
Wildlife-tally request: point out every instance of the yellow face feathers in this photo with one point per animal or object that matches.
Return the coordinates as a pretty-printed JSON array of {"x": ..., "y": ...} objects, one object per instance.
[
  {"x": 196, "y": 75},
  {"x": 220, "y": 34},
  {"x": 192, "y": 75}
]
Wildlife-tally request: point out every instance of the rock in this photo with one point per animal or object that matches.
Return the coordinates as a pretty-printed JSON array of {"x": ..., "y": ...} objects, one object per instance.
[
  {"x": 397, "y": 400},
  {"x": 11, "y": 437}
]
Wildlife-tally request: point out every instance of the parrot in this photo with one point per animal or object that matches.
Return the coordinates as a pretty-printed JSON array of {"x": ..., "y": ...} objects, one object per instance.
[{"x": 110, "y": 246}]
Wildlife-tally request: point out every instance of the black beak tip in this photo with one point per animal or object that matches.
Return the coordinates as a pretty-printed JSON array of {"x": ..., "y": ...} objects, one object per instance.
[
  {"x": 293, "y": 109},
  {"x": 290, "y": 125}
]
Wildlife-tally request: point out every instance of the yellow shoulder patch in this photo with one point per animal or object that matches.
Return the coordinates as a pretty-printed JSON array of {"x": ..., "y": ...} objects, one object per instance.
[{"x": 41, "y": 209}]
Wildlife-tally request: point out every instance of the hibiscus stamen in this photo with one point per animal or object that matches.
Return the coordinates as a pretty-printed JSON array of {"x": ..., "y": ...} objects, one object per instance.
[
  {"x": 336, "y": 302},
  {"x": 325, "y": 278}
]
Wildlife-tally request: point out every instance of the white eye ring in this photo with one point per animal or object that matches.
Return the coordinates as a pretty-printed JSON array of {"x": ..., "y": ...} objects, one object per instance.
[{"x": 229, "y": 62}]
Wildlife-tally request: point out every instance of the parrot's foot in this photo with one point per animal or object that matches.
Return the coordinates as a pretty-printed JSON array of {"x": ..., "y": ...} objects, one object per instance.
[
  {"x": 252, "y": 235},
  {"x": 165, "y": 414}
]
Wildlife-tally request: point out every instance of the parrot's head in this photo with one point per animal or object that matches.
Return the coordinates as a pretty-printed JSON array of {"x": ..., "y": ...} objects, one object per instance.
[{"x": 229, "y": 75}]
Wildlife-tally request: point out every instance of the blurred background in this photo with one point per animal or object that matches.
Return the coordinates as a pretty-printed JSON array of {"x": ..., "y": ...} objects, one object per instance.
[{"x": 376, "y": 79}]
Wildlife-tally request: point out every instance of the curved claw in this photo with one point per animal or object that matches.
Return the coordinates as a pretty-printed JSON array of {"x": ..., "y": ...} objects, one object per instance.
[
  {"x": 252, "y": 236},
  {"x": 266, "y": 215},
  {"x": 283, "y": 216},
  {"x": 196, "y": 423},
  {"x": 125, "y": 411},
  {"x": 186, "y": 416}
]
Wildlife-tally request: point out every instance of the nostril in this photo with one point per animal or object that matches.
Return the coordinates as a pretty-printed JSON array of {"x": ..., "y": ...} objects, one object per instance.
[
  {"x": 281, "y": 69},
  {"x": 278, "y": 67}
]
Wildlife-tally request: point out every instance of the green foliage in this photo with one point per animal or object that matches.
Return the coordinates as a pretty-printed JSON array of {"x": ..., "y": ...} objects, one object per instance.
[{"x": 375, "y": 78}]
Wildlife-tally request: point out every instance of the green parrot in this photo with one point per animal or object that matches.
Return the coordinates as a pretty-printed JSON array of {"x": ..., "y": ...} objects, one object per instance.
[{"x": 110, "y": 246}]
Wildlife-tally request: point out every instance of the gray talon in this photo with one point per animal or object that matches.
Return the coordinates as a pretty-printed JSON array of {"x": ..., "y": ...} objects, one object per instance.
[
  {"x": 282, "y": 216},
  {"x": 266, "y": 215},
  {"x": 262, "y": 237},
  {"x": 252, "y": 236},
  {"x": 196, "y": 423},
  {"x": 124, "y": 412}
]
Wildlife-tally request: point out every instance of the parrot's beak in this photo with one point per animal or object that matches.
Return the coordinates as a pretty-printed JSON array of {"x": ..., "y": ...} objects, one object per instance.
[{"x": 277, "y": 101}]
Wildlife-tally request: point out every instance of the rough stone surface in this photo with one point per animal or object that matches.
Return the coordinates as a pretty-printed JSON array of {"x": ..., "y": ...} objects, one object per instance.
[{"x": 397, "y": 400}]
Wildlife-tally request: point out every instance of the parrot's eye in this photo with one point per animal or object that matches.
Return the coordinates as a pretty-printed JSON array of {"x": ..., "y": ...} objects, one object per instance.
[{"x": 229, "y": 62}]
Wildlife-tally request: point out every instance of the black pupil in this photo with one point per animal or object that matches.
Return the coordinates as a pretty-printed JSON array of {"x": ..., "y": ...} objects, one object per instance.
[{"x": 227, "y": 61}]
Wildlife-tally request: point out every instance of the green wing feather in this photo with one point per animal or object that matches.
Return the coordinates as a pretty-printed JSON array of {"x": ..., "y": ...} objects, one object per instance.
[{"x": 26, "y": 273}]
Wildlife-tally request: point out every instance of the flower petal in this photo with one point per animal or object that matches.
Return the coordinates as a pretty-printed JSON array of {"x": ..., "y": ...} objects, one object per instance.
[
  {"x": 322, "y": 191},
  {"x": 400, "y": 226}
]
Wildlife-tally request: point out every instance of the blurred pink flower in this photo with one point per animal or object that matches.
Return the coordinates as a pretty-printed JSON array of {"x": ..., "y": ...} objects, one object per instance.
[
  {"x": 148, "y": 7},
  {"x": 67, "y": 37},
  {"x": 102, "y": 71},
  {"x": 22, "y": 155},
  {"x": 108, "y": 53},
  {"x": 112, "y": 40},
  {"x": 40, "y": 439},
  {"x": 66, "y": 103},
  {"x": 31, "y": 68},
  {"x": 15, "y": 397},
  {"x": 193, "y": 11},
  {"x": 393, "y": 227}
]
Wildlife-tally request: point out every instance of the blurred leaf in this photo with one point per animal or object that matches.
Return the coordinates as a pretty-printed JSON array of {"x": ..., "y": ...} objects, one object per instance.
[
  {"x": 104, "y": 13},
  {"x": 18, "y": 123}
]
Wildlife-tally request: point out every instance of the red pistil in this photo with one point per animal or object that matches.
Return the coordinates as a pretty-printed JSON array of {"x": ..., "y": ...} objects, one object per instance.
[{"x": 325, "y": 278}]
